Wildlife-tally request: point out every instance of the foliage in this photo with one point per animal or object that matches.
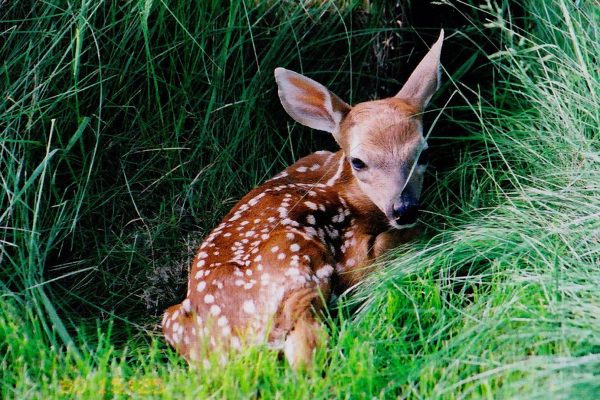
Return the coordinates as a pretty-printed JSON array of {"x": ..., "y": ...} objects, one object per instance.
[{"x": 129, "y": 128}]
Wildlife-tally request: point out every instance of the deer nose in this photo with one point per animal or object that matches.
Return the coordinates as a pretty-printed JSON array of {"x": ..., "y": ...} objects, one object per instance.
[{"x": 405, "y": 213}]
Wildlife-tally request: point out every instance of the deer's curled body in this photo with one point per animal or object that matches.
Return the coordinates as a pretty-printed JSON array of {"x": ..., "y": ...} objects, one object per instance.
[
  {"x": 268, "y": 267},
  {"x": 265, "y": 273}
]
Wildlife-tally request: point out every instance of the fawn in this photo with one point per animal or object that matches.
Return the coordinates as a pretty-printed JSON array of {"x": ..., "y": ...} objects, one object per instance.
[{"x": 265, "y": 273}]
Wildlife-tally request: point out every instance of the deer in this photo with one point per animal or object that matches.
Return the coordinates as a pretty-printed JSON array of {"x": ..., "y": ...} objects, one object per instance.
[{"x": 265, "y": 274}]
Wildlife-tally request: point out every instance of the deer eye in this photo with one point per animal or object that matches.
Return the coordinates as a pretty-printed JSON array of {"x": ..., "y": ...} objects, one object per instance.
[
  {"x": 357, "y": 164},
  {"x": 423, "y": 157}
]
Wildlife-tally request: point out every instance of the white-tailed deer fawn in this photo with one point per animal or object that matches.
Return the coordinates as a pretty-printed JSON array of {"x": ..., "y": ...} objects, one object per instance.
[{"x": 267, "y": 270}]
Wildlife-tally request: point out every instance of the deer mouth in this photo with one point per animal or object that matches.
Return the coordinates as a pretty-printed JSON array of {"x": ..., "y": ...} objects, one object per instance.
[
  {"x": 394, "y": 224},
  {"x": 409, "y": 217},
  {"x": 405, "y": 221},
  {"x": 404, "y": 215}
]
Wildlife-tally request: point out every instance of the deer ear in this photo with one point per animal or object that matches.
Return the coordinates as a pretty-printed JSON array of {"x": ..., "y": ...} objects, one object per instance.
[
  {"x": 425, "y": 79},
  {"x": 309, "y": 102}
]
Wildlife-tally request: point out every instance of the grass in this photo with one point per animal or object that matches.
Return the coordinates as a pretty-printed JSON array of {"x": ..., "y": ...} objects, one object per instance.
[{"x": 129, "y": 129}]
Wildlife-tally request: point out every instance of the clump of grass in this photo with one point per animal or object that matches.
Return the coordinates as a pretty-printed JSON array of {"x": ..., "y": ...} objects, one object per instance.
[{"x": 127, "y": 126}]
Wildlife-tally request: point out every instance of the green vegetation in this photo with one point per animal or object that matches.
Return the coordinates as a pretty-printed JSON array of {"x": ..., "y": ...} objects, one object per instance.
[{"x": 127, "y": 129}]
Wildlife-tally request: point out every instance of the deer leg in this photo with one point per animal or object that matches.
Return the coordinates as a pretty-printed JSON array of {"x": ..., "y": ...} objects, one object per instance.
[
  {"x": 301, "y": 343},
  {"x": 297, "y": 321},
  {"x": 181, "y": 330},
  {"x": 388, "y": 240},
  {"x": 173, "y": 325}
]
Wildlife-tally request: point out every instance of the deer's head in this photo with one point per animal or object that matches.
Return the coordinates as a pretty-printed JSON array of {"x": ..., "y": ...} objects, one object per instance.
[{"x": 382, "y": 139}]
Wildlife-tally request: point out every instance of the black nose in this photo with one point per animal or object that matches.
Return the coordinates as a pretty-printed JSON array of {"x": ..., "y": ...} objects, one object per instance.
[{"x": 406, "y": 213}]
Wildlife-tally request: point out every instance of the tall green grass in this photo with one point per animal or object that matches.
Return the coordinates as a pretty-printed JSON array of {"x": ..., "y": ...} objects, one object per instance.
[
  {"x": 128, "y": 129},
  {"x": 127, "y": 126}
]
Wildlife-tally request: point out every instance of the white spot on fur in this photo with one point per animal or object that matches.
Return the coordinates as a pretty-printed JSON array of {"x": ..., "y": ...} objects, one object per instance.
[
  {"x": 209, "y": 298},
  {"x": 226, "y": 331},
  {"x": 288, "y": 221},
  {"x": 249, "y": 307},
  {"x": 325, "y": 271},
  {"x": 310, "y": 231},
  {"x": 310, "y": 205}
]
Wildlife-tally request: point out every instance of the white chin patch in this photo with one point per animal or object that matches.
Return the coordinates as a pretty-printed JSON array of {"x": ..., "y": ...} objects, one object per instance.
[{"x": 396, "y": 225}]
